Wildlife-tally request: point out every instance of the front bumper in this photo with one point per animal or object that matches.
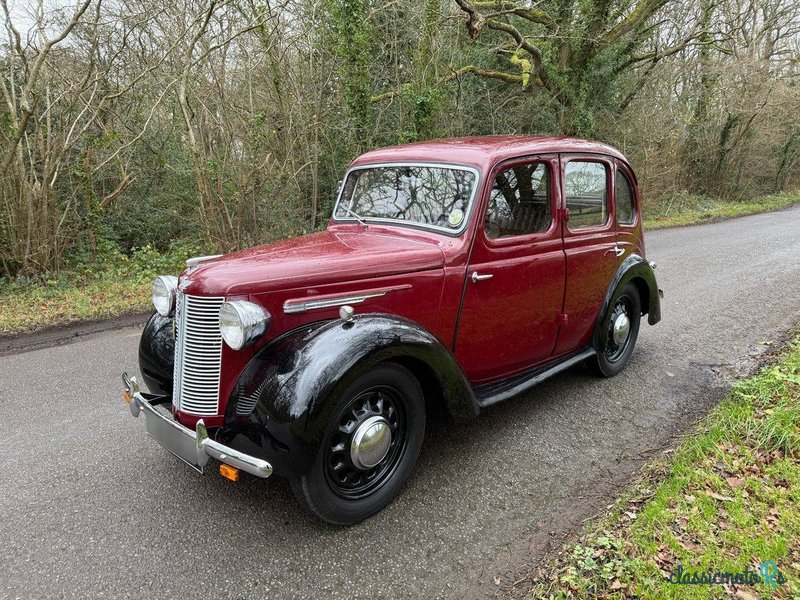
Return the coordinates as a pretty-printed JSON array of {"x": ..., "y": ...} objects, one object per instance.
[{"x": 192, "y": 447}]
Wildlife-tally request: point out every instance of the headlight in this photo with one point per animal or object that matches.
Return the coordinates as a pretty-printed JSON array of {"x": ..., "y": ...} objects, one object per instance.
[
  {"x": 242, "y": 323},
  {"x": 164, "y": 294}
]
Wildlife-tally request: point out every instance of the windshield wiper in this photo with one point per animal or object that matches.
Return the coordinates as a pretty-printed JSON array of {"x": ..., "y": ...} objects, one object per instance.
[{"x": 356, "y": 215}]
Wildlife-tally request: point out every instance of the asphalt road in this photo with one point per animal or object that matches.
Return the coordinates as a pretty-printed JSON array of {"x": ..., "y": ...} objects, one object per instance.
[{"x": 92, "y": 507}]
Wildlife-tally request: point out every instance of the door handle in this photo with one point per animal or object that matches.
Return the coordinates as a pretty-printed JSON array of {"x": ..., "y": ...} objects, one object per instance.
[
  {"x": 616, "y": 250},
  {"x": 476, "y": 277}
]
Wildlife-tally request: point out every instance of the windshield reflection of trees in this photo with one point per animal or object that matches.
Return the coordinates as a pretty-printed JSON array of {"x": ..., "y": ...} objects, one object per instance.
[{"x": 426, "y": 195}]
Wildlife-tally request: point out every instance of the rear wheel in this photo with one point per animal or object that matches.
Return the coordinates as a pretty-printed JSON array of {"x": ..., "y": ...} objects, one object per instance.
[
  {"x": 369, "y": 447},
  {"x": 622, "y": 329}
]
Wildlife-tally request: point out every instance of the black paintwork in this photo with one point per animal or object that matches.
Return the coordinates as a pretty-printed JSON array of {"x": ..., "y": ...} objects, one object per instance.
[
  {"x": 157, "y": 354},
  {"x": 637, "y": 270},
  {"x": 285, "y": 396},
  {"x": 492, "y": 393},
  {"x": 282, "y": 404}
]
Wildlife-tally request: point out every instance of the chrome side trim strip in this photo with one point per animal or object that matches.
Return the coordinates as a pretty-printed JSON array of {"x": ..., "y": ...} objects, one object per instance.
[{"x": 299, "y": 305}]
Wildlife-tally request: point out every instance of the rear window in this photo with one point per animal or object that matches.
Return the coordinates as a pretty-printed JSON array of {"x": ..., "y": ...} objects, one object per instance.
[{"x": 586, "y": 192}]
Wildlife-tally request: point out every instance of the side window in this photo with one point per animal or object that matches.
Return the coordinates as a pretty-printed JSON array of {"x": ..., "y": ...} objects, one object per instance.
[
  {"x": 586, "y": 194},
  {"x": 520, "y": 201},
  {"x": 624, "y": 193}
]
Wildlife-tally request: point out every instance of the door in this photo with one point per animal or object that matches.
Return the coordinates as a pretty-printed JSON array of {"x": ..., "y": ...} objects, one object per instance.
[
  {"x": 590, "y": 245},
  {"x": 515, "y": 279}
]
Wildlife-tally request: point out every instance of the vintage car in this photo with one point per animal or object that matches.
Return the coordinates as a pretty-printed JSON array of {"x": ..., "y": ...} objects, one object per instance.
[{"x": 453, "y": 274}]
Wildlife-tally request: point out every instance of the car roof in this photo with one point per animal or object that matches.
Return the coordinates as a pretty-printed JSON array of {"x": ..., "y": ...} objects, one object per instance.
[{"x": 484, "y": 151}]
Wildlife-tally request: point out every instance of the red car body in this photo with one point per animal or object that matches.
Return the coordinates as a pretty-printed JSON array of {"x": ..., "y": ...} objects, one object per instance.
[
  {"x": 550, "y": 285},
  {"x": 503, "y": 307}
]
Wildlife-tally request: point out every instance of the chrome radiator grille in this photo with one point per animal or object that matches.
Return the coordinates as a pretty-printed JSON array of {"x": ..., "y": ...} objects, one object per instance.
[{"x": 198, "y": 354}]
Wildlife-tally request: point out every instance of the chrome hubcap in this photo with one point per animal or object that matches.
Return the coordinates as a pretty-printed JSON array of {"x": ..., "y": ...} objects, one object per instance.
[
  {"x": 622, "y": 327},
  {"x": 371, "y": 442}
]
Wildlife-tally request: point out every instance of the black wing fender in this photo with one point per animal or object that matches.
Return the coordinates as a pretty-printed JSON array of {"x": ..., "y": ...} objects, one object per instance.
[
  {"x": 157, "y": 354},
  {"x": 284, "y": 398},
  {"x": 637, "y": 270}
]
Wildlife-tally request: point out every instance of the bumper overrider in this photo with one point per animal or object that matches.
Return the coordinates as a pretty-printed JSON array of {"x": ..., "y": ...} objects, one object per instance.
[{"x": 194, "y": 447}]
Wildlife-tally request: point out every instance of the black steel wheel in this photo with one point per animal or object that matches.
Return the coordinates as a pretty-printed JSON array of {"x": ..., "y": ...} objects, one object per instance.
[
  {"x": 621, "y": 331},
  {"x": 369, "y": 449},
  {"x": 381, "y": 407}
]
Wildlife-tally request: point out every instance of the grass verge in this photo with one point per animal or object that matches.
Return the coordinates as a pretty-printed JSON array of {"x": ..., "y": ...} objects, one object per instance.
[
  {"x": 726, "y": 500},
  {"x": 115, "y": 285},
  {"x": 690, "y": 210}
]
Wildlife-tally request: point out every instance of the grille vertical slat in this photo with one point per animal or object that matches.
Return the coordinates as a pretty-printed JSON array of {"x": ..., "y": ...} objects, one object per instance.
[{"x": 198, "y": 354}]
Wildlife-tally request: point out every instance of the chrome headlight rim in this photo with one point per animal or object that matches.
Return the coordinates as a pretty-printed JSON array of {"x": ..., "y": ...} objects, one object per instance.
[
  {"x": 163, "y": 292},
  {"x": 241, "y": 323}
]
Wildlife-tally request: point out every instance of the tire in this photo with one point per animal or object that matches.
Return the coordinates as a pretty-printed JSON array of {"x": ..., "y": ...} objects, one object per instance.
[
  {"x": 615, "y": 355},
  {"x": 339, "y": 490}
]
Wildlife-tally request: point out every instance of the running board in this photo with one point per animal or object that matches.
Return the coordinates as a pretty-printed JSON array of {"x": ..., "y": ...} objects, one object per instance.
[{"x": 492, "y": 393}]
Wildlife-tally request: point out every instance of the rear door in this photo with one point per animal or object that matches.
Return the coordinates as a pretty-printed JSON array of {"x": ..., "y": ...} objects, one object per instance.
[
  {"x": 515, "y": 281},
  {"x": 589, "y": 244}
]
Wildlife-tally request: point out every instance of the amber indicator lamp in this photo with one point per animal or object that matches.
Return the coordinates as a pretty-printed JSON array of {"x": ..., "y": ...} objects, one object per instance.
[{"x": 229, "y": 472}]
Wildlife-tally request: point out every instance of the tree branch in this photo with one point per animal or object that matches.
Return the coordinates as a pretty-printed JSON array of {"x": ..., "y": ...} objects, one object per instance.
[
  {"x": 26, "y": 101},
  {"x": 476, "y": 21},
  {"x": 534, "y": 15},
  {"x": 475, "y": 70},
  {"x": 638, "y": 16}
]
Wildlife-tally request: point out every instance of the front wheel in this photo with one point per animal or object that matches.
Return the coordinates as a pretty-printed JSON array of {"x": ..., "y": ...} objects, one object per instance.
[
  {"x": 622, "y": 329},
  {"x": 369, "y": 447}
]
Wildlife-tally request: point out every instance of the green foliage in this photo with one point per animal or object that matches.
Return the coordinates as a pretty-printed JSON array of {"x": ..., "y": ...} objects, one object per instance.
[
  {"x": 354, "y": 45},
  {"x": 426, "y": 105},
  {"x": 105, "y": 284},
  {"x": 687, "y": 209},
  {"x": 281, "y": 108}
]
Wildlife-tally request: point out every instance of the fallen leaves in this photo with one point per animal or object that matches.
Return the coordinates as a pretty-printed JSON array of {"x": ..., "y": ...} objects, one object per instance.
[
  {"x": 734, "y": 482},
  {"x": 717, "y": 496}
]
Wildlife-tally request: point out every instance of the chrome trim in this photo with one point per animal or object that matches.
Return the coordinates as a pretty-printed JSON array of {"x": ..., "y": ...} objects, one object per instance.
[
  {"x": 370, "y": 443},
  {"x": 191, "y": 262},
  {"x": 198, "y": 355},
  {"x": 252, "y": 319},
  {"x": 402, "y": 222},
  {"x": 192, "y": 447},
  {"x": 300, "y": 305},
  {"x": 622, "y": 327},
  {"x": 170, "y": 283}
]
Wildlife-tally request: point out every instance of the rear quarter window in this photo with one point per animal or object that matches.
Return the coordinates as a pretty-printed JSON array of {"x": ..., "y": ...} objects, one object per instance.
[{"x": 624, "y": 193}]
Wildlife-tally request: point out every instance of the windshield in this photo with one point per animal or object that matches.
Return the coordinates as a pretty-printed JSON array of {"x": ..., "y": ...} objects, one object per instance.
[{"x": 422, "y": 195}]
